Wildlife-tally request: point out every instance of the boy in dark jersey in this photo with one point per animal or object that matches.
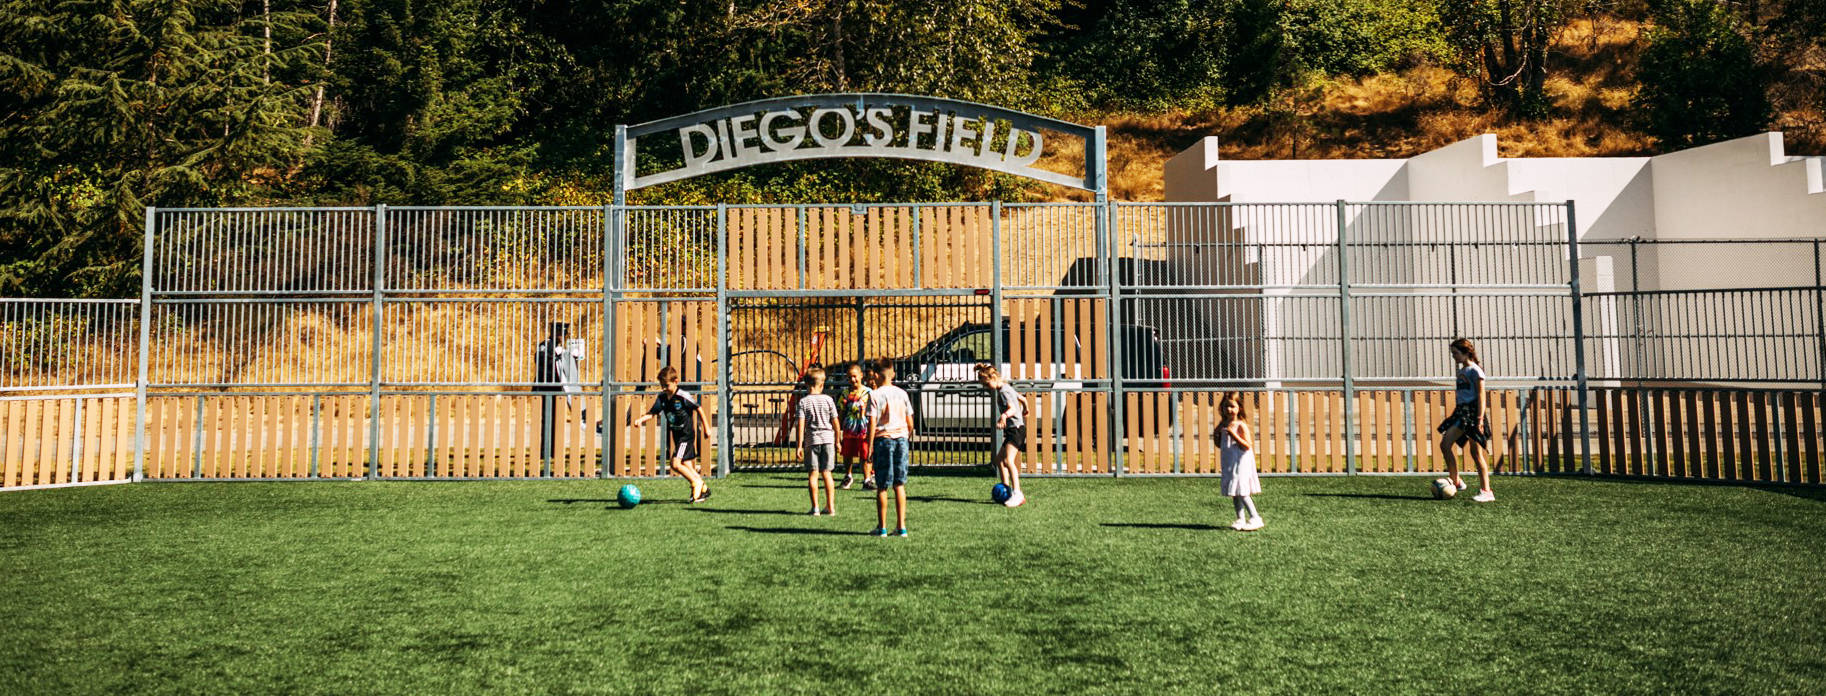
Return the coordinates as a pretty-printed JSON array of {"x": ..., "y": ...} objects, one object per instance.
[{"x": 684, "y": 421}]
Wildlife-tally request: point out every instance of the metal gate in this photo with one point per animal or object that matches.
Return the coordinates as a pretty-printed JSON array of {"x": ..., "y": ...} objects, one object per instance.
[{"x": 775, "y": 339}]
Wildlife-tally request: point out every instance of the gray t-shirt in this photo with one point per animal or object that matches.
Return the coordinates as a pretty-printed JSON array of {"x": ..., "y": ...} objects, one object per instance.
[
  {"x": 1003, "y": 398},
  {"x": 817, "y": 411}
]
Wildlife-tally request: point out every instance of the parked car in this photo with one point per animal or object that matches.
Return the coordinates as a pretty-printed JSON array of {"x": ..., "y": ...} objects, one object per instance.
[{"x": 940, "y": 377}]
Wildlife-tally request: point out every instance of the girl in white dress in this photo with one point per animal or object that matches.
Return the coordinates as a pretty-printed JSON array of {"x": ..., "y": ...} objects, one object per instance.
[{"x": 1236, "y": 444}]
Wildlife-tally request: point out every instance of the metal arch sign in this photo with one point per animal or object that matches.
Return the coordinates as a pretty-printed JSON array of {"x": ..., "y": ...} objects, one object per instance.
[{"x": 822, "y": 126}]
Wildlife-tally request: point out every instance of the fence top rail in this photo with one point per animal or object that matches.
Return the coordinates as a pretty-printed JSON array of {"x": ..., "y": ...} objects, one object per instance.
[
  {"x": 1707, "y": 240},
  {"x": 269, "y": 209},
  {"x": 1704, "y": 291},
  {"x": 57, "y": 300},
  {"x": 1411, "y": 204}
]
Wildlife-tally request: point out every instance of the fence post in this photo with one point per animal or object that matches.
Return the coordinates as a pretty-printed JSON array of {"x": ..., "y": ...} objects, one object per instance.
[
  {"x": 995, "y": 315},
  {"x": 145, "y": 337},
  {"x": 1344, "y": 336},
  {"x": 1578, "y": 333},
  {"x": 724, "y": 413},
  {"x": 612, "y": 225},
  {"x": 76, "y": 446},
  {"x": 1819, "y": 313},
  {"x": 380, "y": 246},
  {"x": 316, "y": 439},
  {"x": 1113, "y": 270},
  {"x": 1643, "y": 439}
]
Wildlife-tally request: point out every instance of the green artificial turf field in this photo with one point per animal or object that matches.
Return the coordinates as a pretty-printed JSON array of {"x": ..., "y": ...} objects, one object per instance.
[{"x": 1358, "y": 585}]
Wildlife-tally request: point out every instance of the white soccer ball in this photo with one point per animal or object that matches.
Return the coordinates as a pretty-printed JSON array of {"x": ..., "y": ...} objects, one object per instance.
[{"x": 1443, "y": 488}]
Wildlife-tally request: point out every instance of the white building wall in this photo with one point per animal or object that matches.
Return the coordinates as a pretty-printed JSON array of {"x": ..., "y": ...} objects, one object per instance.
[{"x": 1745, "y": 188}]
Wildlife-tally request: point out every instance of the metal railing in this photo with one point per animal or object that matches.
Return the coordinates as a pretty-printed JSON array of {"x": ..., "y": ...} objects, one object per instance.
[{"x": 399, "y": 342}]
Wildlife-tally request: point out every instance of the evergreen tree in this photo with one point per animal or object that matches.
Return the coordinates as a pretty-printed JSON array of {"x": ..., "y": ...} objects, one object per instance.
[{"x": 111, "y": 106}]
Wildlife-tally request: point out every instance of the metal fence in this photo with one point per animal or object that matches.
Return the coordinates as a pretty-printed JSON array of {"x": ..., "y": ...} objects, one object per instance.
[{"x": 401, "y": 342}]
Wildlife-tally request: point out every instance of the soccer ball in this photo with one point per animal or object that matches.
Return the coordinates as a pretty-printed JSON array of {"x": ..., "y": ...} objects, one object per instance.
[
  {"x": 999, "y": 493},
  {"x": 1443, "y": 488},
  {"x": 629, "y": 496}
]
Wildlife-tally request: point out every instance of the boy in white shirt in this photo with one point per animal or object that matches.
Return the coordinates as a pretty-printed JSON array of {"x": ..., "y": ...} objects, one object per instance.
[{"x": 891, "y": 429}]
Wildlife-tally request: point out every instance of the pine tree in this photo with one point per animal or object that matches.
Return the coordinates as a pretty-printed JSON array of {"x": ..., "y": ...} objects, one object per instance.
[{"x": 110, "y": 106}]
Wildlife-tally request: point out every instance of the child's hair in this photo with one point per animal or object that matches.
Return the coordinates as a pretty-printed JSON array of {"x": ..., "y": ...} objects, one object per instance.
[
  {"x": 668, "y": 374},
  {"x": 816, "y": 374},
  {"x": 857, "y": 368},
  {"x": 871, "y": 379},
  {"x": 1464, "y": 345},
  {"x": 1223, "y": 417},
  {"x": 987, "y": 371}
]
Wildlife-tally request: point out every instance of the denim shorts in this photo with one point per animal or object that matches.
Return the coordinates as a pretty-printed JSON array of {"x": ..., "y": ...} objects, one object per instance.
[{"x": 890, "y": 455}]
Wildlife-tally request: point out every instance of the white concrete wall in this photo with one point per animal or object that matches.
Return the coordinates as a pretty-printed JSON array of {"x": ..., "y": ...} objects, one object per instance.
[{"x": 1746, "y": 188}]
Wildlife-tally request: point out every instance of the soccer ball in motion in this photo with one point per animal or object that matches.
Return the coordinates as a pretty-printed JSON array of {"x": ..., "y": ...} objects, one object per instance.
[
  {"x": 629, "y": 496},
  {"x": 1443, "y": 488},
  {"x": 999, "y": 493}
]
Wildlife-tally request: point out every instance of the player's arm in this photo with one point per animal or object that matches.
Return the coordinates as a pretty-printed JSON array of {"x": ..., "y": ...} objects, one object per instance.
[
  {"x": 642, "y": 420},
  {"x": 1483, "y": 396},
  {"x": 801, "y": 432},
  {"x": 1239, "y": 431},
  {"x": 703, "y": 422}
]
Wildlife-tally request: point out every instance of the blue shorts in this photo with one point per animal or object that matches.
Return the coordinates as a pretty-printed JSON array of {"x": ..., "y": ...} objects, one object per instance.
[{"x": 890, "y": 456}]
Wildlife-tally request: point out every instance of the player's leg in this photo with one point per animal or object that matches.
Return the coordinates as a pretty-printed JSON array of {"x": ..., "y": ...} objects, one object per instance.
[
  {"x": 830, "y": 494},
  {"x": 900, "y": 506},
  {"x": 1482, "y": 462},
  {"x": 1448, "y": 445}
]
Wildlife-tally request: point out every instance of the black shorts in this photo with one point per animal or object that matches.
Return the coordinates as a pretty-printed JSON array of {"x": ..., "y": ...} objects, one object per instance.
[
  {"x": 681, "y": 446},
  {"x": 1015, "y": 435},
  {"x": 1475, "y": 428}
]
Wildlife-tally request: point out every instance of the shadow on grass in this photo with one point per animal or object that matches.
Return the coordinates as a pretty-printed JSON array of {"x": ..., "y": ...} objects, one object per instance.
[
  {"x": 796, "y": 530},
  {"x": 610, "y": 501},
  {"x": 947, "y": 499},
  {"x": 732, "y": 511},
  {"x": 1165, "y": 525},
  {"x": 1368, "y": 496}
]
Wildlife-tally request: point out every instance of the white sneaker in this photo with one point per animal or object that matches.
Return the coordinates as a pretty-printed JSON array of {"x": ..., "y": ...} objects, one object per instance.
[
  {"x": 1238, "y": 524},
  {"x": 1253, "y": 524},
  {"x": 1017, "y": 499},
  {"x": 1484, "y": 497},
  {"x": 815, "y": 512}
]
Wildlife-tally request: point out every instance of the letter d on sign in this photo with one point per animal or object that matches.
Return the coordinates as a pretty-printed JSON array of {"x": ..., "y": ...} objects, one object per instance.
[{"x": 693, "y": 158}]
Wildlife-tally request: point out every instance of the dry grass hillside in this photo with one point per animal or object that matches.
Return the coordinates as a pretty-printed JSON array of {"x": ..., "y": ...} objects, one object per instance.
[{"x": 1416, "y": 110}]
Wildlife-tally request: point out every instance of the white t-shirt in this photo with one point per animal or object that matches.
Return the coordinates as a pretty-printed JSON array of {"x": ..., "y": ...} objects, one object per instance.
[
  {"x": 1468, "y": 379},
  {"x": 892, "y": 412}
]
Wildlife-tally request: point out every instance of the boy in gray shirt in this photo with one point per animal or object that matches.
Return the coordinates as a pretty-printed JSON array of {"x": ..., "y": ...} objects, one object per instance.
[{"x": 817, "y": 416}]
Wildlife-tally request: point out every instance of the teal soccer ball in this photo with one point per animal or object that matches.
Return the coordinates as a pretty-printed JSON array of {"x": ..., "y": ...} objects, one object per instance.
[{"x": 629, "y": 496}]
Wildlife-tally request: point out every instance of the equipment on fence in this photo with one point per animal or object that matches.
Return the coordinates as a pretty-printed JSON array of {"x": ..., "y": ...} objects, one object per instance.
[
  {"x": 555, "y": 370},
  {"x": 1000, "y": 493},
  {"x": 792, "y": 404},
  {"x": 628, "y": 497},
  {"x": 1443, "y": 489}
]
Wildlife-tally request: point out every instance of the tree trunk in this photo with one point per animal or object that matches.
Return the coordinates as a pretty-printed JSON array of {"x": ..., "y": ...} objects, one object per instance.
[
  {"x": 266, "y": 41},
  {"x": 317, "y": 99}
]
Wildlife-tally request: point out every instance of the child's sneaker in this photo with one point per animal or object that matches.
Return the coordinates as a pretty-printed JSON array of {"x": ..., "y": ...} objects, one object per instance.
[
  {"x": 1238, "y": 523},
  {"x": 815, "y": 512},
  {"x": 900, "y": 532},
  {"x": 847, "y": 480},
  {"x": 868, "y": 484},
  {"x": 1253, "y": 524},
  {"x": 830, "y": 512},
  {"x": 1484, "y": 497},
  {"x": 1017, "y": 500},
  {"x": 879, "y": 531}
]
